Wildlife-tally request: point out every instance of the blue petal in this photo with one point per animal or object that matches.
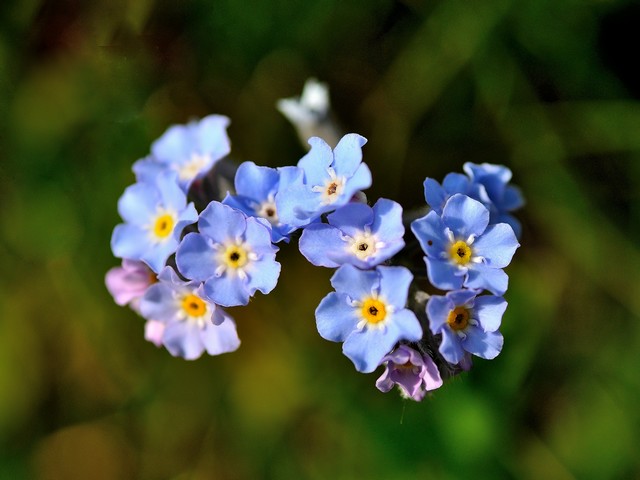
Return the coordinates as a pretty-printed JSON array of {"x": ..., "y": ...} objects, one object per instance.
[
  {"x": 387, "y": 222},
  {"x": 465, "y": 216},
  {"x": 156, "y": 255},
  {"x": 158, "y": 303},
  {"x": 129, "y": 241},
  {"x": 394, "y": 285},
  {"x": 497, "y": 245},
  {"x": 335, "y": 318},
  {"x": 429, "y": 230},
  {"x": 258, "y": 236},
  {"x": 482, "y": 277},
  {"x": 443, "y": 274},
  {"x": 227, "y": 290},
  {"x": 450, "y": 347},
  {"x": 404, "y": 325},
  {"x": 211, "y": 136},
  {"x": 256, "y": 182},
  {"x": 173, "y": 146},
  {"x": 263, "y": 275},
  {"x": 510, "y": 220},
  {"x": 195, "y": 258},
  {"x": 138, "y": 204},
  {"x": 483, "y": 344},
  {"x": 316, "y": 162},
  {"x": 171, "y": 194},
  {"x": 348, "y": 154},
  {"x": 488, "y": 309},
  {"x": 434, "y": 195},
  {"x": 365, "y": 348},
  {"x": 188, "y": 216},
  {"x": 357, "y": 284},
  {"x": 147, "y": 169},
  {"x": 462, "y": 298},
  {"x": 351, "y": 218},
  {"x": 512, "y": 198},
  {"x": 220, "y": 338},
  {"x": 455, "y": 183},
  {"x": 182, "y": 339},
  {"x": 360, "y": 180},
  {"x": 324, "y": 246},
  {"x": 222, "y": 223},
  {"x": 438, "y": 308},
  {"x": 298, "y": 205}
]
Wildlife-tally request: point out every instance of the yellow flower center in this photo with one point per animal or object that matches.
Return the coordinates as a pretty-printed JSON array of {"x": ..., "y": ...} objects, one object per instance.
[
  {"x": 194, "y": 306},
  {"x": 163, "y": 226},
  {"x": 460, "y": 252},
  {"x": 458, "y": 318},
  {"x": 235, "y": 256},
  {"x": 373, "y": 311}
]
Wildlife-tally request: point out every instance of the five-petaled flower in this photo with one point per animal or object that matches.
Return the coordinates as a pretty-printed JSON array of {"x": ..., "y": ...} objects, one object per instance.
[
  {"x": 367, "y": 312},
  {"x": 232, "y": 254},
  {"x": 184, "y": 321},
  {"x": 355, "y": 234},
  {"x": 462, "y": 249},
  {"x": 155, "y": 213},
  {"x": 256, "y": 189},
  {"x": 331, "y": 179},
  {"x": 190, "y": 150},
  {"x": 467, "y": 323}
]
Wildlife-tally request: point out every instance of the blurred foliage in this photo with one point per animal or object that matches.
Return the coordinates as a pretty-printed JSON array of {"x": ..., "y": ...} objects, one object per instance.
[{"x": 547, "y": 87}]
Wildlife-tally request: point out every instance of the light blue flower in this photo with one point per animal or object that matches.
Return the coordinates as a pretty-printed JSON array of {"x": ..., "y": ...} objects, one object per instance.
[
  {"x": 191, "y": 324},
  {"x": 467, "y": 323},
  {"x": 256, "y": 189},
  {"x": 367, "y": 312},
  {"x": 462, "y": 250},
  {"x": 504, "y": 198},
  {"x": 233, "y": 255},
  {"x": 356, "y": 234},
  {"x": 190, "y": 150},
  {"x": 414, "y": 373},
  {"x": 437, "y": 195},
  {"x": 155, "y": 213},
  {"x": 331, "y": 179}
]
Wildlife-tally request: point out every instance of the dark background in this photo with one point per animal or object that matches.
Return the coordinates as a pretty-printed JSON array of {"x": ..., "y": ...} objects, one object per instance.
[{"x": 546, "y": 87}]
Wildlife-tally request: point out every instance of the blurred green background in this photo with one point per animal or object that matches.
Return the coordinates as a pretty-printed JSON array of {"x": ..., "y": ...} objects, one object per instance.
[{"x": 546, "y": 87}]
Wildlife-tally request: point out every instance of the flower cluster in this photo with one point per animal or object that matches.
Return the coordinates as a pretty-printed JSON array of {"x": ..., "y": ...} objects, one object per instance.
[{"x": 192, "y": 245}]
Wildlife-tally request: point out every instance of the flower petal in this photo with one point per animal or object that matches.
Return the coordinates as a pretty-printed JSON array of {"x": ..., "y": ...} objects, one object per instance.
[
  {"x": 465, "y": 216},
  {"x": 335, "y": 318},
  {"x": 497, "y": 245},
  {"x": 483, "y": 277},
  {"x": 195, "y": 257},
  {"x": 348, "y": 154},
  {"x": 483, "y": 344}
]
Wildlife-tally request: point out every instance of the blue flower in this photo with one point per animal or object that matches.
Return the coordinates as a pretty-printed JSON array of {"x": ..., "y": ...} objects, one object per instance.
[
  {"x": 191, "y": 324},
  {"x": 467, "y": 323},
  {"x": 504, "y": 198},
  {"x": 155, "y": 214},
  {"x": 414, "y": 373},
  {"x": 233, "y": 255},
  {"x": 367, "y": 312},
  {"x": 437, "y": 195},
  {"x": 331, "y": 179},
  {"x": 256, "y": 189},
  {"x": 356, "y": 234},
  {"x": 461, "y": 250},
  {"x": 190, "y": 150}
]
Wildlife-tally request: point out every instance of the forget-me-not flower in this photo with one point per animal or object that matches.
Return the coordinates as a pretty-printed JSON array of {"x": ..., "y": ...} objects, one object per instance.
[
  {"x": 155, "y": 213},
  {"x": 462, "y": 249},
  {"x": 437, "y": 195},
  {"x": 504, "y": 198},
  {"x": 190, "y": 150},
  {"x": 467, "y": 323},
  {"x": 331, "y": 179},
  {"x": 192, "y": 323},
  {"x": 367, "y": 312},
  {"x": 256, "y": 189},
  {"x": 233, "y": 255},
  {"x": 414, "y": 373},
  {"x": 357, "y": 234}
]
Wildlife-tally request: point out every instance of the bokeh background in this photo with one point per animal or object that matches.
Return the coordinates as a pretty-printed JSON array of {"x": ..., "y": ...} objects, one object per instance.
[{"x": 546, "y": 87}]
